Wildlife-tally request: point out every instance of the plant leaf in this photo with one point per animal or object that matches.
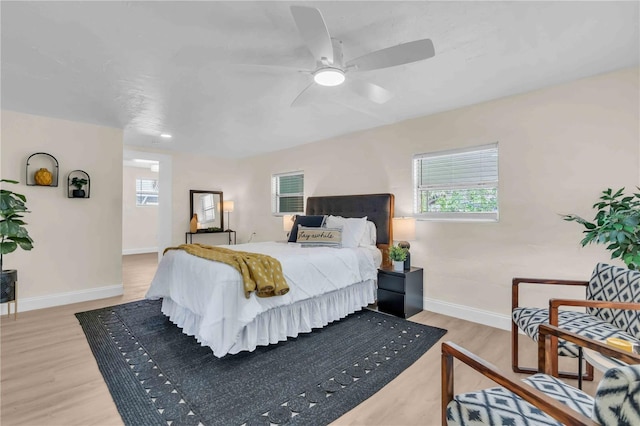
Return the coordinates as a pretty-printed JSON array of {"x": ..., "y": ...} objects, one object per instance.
[
  {"x": 7, "y": 247},
  {"x": 24, "y": 243},
  {"x": 619, "y": 192}
]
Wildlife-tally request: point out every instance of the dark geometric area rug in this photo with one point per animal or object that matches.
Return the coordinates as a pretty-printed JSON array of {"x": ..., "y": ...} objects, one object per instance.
[{"x": 158, "y": 375}]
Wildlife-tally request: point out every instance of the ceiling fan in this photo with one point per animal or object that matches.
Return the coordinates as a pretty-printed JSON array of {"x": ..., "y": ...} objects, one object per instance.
[{"x": 331, "y": 70}]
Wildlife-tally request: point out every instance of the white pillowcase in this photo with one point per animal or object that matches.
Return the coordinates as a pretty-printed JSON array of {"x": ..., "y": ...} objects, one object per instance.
[
  {"x": 370, "y": 235},
  {"x": 352, "y": 229}
]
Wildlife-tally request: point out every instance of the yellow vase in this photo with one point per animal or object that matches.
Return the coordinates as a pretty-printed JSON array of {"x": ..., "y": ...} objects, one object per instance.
[
  {"x": 43, "y": 177},
  {"x": 193, "y": 226}
]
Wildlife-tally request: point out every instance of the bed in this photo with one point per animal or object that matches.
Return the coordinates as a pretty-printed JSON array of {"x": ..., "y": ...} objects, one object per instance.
[{"x": 206, "y": 299}]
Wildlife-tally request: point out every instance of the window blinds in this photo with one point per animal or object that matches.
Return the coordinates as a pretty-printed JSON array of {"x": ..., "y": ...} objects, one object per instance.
[
  {"x": 147, "y": 185},
  {"x": 460, "y": 169},
  {"x": 288, "y": 192}
]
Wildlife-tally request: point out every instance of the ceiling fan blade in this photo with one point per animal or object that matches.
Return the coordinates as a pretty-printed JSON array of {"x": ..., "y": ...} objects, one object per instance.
[
  {"x": 303, "y": 98},
  {"x": 267, "y": 68},
  {"x": 392, "y": 56},
  {"x": 314, "y": 32},
  {"x": 371, "y": 91}
]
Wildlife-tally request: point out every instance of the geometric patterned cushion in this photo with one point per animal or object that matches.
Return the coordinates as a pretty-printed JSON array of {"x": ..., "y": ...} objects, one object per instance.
[
  {"x": 498, "y": 406},
  {"x": 613, "y": 283},
  {"x": 617, "y": 400},
  {"x": 560, "y": 391},
  {"x": 529, "y": 319}
]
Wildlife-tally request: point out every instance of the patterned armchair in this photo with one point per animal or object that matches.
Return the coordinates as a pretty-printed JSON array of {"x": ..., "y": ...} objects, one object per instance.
[
  {"x": 612, "y": 310},
  {"x": 542, "y": 399}
]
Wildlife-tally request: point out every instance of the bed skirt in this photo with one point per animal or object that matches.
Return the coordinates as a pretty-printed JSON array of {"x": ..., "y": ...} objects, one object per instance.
[{"x": 277, "y": 324}]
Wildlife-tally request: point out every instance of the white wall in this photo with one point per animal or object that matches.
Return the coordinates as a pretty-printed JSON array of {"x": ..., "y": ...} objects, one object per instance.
[
  {"x": 139, "y": 223},
  {"x": 77, "y": 242},
  {"x": 208, "y": 174},
  {"x": 559, "y": 148}
]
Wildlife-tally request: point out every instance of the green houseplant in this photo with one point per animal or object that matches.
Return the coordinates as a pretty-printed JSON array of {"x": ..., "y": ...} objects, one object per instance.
[
  {"x": 13, "y": 234},
  {"x": 78, "y": 183},
  {"x": 398, "y": 255},
  {"x": 617, "y": 224}
]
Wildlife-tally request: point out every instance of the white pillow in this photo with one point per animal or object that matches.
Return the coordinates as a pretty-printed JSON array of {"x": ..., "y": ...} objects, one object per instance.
[
  {"x": 370, "y": 235},
  {"x": 352, "y": 229}
]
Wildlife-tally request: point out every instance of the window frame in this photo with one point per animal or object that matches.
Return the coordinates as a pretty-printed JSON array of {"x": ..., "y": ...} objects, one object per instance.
[
  {"x": 142, "y": 193},
  {"x": 455, "y": 216},
  {"x": 276, "y": 195}
]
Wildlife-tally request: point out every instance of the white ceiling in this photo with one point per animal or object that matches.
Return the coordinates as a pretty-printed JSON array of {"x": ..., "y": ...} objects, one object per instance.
[{"x": 186, "y": 67}]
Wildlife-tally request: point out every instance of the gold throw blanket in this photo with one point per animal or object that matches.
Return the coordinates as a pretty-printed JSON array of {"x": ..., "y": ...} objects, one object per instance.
[{"x": 260, "y": 273}]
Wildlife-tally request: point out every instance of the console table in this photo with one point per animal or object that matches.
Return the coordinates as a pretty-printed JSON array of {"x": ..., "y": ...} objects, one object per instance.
[{"x": 188, "y": 236}]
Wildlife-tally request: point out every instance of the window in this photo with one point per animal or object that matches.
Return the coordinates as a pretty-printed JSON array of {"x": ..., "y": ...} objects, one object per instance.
[
  {"x": 459, "y": 184},
  {"x": 146, "y": 192},
  {"x": 287, "y": 191}
]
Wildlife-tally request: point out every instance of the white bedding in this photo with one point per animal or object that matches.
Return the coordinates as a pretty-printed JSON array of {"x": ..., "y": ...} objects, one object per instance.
[{"x": 206, "y": 298}]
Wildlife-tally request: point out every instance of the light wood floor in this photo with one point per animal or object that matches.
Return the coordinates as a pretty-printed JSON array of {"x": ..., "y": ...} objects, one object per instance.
[{"x": 49, "y": 376}]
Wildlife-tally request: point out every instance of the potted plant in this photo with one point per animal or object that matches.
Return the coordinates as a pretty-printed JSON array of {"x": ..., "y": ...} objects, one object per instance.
[
  {"x": 13, "y": 234},
  {"x": 398, "y": 256},
  {"x": 617, "y": 224},
  {"x": 78, "y": 183}
]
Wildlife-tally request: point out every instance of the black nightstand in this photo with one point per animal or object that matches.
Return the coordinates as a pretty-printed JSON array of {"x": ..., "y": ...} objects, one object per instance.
[{"x": 400, "y": 293}]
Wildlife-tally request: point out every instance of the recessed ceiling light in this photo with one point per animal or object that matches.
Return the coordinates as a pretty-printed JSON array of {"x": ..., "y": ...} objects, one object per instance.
[
  {"x": 140, "y": 160},
  {"x": 165, "y": 135},
  {"x": 329, "y": 77}
]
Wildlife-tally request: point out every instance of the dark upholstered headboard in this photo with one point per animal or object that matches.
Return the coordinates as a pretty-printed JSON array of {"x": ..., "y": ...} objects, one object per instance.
[{"x": 377, "y": 207}]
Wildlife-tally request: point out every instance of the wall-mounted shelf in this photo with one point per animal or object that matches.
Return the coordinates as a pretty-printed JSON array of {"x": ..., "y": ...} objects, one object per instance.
[
  {"x": 38, "y": 161},
  {"x": 72, "y": 190}
]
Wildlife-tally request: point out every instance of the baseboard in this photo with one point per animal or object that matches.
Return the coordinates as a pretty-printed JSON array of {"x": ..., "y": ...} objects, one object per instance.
[
  {"x": 468, "y": 313},
  {"x": 66, "y": 298},
  {"x": 139, "y": 250}
]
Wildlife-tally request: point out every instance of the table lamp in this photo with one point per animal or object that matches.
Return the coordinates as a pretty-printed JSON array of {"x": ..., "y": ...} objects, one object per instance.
[
  {"x": 404, "y": 230},
  {"x": 227, "y": 207},
  {"x": 287, "y": 223}
]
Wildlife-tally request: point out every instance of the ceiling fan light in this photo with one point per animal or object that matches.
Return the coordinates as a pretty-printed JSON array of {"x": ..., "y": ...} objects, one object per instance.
[{"x": 329, "y": 77}]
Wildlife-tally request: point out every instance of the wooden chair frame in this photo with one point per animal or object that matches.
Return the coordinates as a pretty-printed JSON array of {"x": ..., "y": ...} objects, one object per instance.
[
  {"x": 547, "y": 363},
  {"x": 548, "y": 359},
  {"x": 515, "y": 287}
]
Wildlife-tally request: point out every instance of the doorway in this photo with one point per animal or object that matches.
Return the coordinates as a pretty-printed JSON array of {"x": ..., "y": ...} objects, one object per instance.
[{"x": 146, "y": 221}]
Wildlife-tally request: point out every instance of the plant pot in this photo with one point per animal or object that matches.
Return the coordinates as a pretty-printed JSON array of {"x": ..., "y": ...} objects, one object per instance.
[
  {"x": 398, "y": 265},
  {"x": 8, "y": 285},
  {"x": 78, "y": 193}
]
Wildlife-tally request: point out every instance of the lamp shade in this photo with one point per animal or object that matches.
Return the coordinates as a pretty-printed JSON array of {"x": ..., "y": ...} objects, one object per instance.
[
  {"x": 227, "y": 206},
  {"x": 287, "y": 222},
  {"x": 404, "y": 228}
]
